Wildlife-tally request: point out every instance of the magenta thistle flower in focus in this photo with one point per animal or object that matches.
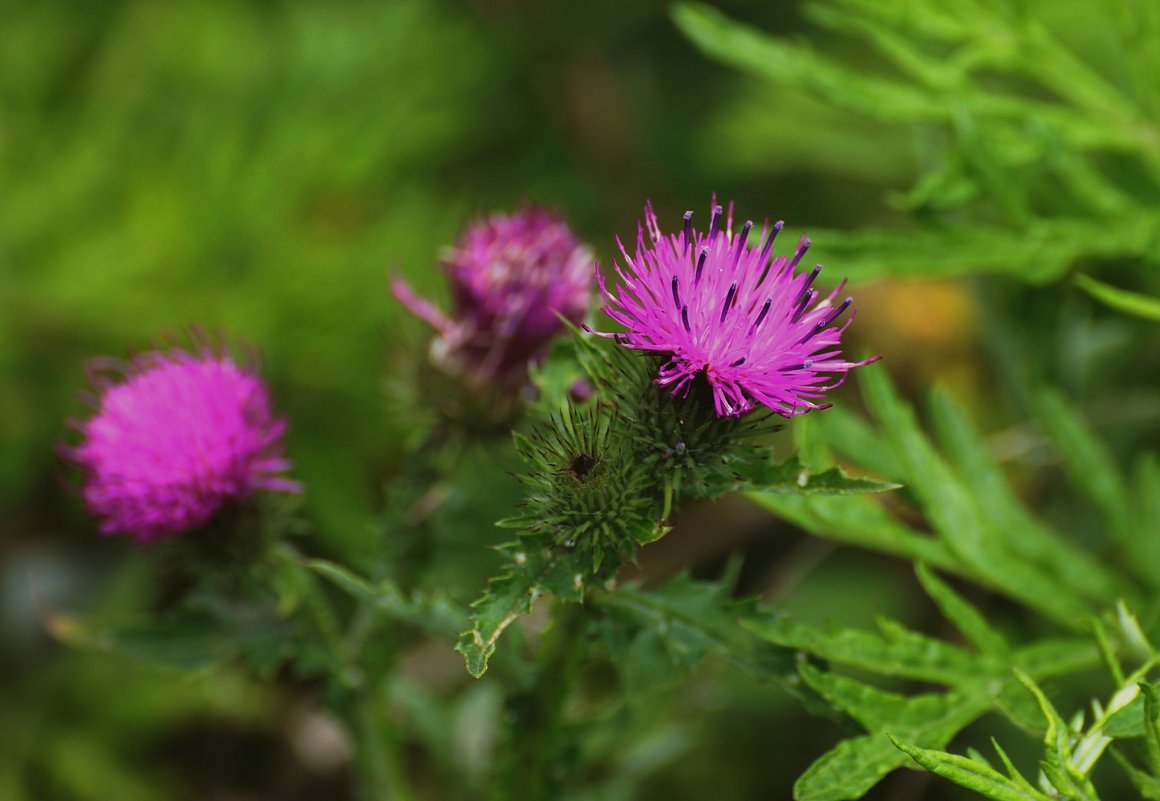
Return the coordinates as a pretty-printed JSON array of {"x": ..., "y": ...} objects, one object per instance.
[
  {"x": 175, "y": 439},
  {"x": 510, "y": 276},
  {"x": 739, "y": 316}
]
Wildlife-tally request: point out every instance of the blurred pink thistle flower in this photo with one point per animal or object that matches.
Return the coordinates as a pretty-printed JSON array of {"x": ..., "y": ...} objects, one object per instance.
[
  {"x": 510, "y": 276},
  {"x": 179, "y": 436},
  {"x": 742, "y": 318}
]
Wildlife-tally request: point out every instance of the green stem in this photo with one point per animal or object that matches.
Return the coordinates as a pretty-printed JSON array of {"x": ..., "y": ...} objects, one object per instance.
[
  {"x": 537, "y": 733},
  {"x": 380, "y": 771},
  {"x": 379, "y": 768}
]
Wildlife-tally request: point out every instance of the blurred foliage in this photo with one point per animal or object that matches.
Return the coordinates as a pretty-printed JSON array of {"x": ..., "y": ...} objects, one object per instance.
[
  {"x": 256, "y": 168},
  {"x": 1032, "y": 157}
]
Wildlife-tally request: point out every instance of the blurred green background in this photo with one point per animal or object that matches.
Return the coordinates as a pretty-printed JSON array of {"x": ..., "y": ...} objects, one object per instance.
[{"x": 257, "y": 169}]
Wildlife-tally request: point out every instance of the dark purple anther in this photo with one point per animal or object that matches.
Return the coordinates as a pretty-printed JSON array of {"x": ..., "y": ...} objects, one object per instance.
[
  {"x": 761, "y": 315},
  {"x": 773, "y": 232},
  {"x": 802, "y": 247},
  {"x": 728, "y": 301},
  {"x": 838, "y": 311},
  {"x": 685, "y": 318},
  {"x": 806, "y": 300},
  {"x": 738, "y": 363},
  {"x": 834, "y": 315},
  {"x": 688, "y": 229},
  {"x": 701, "y": 263},
  {"x": 742, "y": 241},
  {"x": 676, "y": 294},
  {"x": 810, "y": 278},
  {"x": 715, "y": 223}
]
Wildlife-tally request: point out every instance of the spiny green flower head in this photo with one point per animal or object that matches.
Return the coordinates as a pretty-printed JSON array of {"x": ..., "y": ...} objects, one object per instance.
[
  {"x": 744, "y": 319},
  {"x": 586, "y": 491}
]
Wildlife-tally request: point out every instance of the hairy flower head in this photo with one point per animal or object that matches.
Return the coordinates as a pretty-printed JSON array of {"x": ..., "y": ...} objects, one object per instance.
[
  {"x": 746, "y": 320},
  {"x": 177, "y": 437},
  {"x": 510, "y": 276}
]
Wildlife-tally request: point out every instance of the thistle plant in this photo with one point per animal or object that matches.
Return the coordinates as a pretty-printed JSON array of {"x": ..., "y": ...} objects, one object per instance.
[{"x": 1022, "y": 664}]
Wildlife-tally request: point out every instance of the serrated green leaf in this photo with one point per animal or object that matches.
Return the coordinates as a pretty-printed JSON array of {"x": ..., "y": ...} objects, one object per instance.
[
  {"x": 858, "y": 521},
  {"x": 793, "y": 478},
  {"x": 900, "y": 652},
  {"x": 1056, "y": 657},
  {"x": 966, "y": 617},
  {"x": 879, "y": 710},
  {"x": 1013, "y": 774},
  {"x": 1057, "y": 756},
  {"x": 435, "y": 614},
  {"x": 695, "y": 619},
  {"x": 849, "y": 769},
  {"x": 1120, "y": 299},
  {"x": 508, "y": 597},
  {"x": 1128, "y": 721},
  {"x": 968, "y": 773}
]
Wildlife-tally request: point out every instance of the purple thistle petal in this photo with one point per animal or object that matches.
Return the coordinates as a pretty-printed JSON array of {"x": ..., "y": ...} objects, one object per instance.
[
  {"x": 750, "y": 324},
  {"x": 510, "y": 276}
]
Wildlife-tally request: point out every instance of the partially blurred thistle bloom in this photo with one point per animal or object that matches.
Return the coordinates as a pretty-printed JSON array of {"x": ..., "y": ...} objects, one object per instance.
[
  {"x": 742, "y": 318},
  {"x": 510, "y": 276},
  {"x": 175, "y": 439}
]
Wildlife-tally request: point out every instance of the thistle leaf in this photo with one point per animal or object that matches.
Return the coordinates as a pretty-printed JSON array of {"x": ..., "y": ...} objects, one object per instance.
[
  {"x": 794, "y": 478},
  {"x": 971, "y": 774}
]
